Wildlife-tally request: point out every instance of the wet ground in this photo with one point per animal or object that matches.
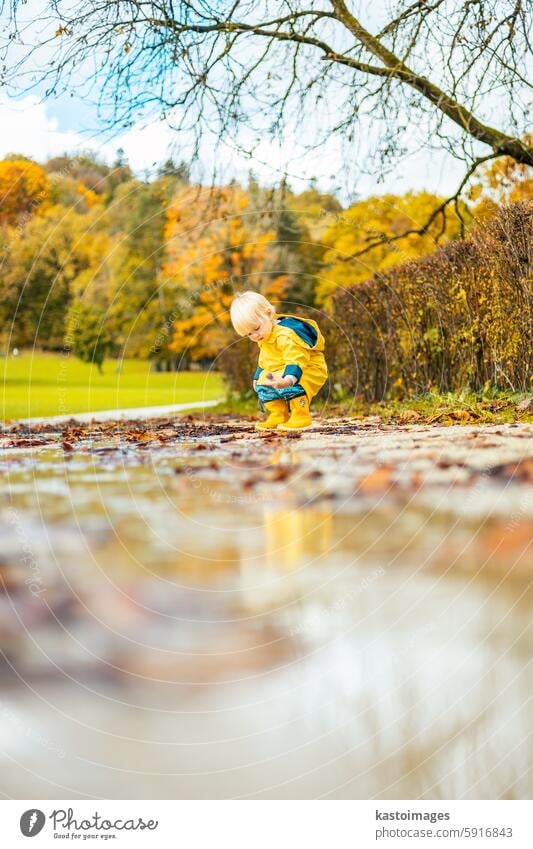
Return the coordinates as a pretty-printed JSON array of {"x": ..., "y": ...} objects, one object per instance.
[{"x": 191, "y": 609}]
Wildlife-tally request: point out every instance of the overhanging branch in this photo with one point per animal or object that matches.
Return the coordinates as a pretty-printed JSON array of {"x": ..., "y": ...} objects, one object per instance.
[
  {"x": 501, "y": 143},
  {"x": 385, "y": 239}
]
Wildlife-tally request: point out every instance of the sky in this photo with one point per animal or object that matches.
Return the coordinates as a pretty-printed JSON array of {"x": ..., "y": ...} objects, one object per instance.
[{"x": 43, "y": 127}]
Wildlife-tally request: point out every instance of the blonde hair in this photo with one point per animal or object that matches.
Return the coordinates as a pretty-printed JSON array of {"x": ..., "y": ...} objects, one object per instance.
[{"x": 246, "y": 308}]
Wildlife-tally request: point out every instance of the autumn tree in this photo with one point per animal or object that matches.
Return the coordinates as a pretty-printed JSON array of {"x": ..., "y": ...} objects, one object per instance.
[
  {"x": 89, "y": 170},
  {"x": 360, "y": 241},
  {"x": 179, "y": 170},
  {"x": 215, "y": 247},
  {"x": 59, "y": 255},
  {"x": 503, "y": 181},
  {"x": 24, "y": 186},
  {"x": 292, "y": 251},
  {"x": 139, "y": 306},
  {"x": 86, "y": 333}
]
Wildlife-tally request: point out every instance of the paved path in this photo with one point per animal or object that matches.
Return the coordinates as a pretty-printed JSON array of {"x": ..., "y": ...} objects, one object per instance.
[{"x": 131, "y": 413}]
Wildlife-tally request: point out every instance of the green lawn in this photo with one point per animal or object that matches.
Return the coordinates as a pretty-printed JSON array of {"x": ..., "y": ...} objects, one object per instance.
[{"x": 35, "y": 384}]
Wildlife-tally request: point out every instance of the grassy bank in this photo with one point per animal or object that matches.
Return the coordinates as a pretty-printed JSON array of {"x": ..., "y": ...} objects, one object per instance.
[
  {"x": 53, "y": 384},
  {"x": 450, "y": 408}
]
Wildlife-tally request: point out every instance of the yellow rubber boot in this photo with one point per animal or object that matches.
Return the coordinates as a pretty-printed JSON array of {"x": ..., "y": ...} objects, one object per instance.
[
  {"x": 300, "y": 417},
  {"x": 278, "y": 412}
]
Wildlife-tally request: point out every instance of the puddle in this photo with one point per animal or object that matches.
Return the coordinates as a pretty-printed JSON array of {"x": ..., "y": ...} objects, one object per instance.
[{"x": 216, "y": 619}]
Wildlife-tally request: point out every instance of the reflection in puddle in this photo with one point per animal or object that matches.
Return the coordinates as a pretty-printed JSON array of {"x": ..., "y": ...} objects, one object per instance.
[
  {"x": 276, "y": 566},
  {"x": 201, "y": 634}
]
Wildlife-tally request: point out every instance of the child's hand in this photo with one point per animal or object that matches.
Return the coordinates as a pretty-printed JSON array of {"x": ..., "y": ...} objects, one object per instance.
[
  {"x": 276, "y": 382},
  {"x": 281, "y": 382},
  {"x": 268, "y": 379}
]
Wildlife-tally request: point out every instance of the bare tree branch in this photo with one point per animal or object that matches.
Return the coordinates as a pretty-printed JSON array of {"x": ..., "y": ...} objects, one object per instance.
[
  {"x": 386, "y": 239},
  {"x": 500, "y": 142},
  {"x": 450, "y": 68}
]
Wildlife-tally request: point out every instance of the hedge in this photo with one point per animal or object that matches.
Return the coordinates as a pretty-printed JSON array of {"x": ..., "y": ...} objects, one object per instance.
[{"x": 458, "y": 318}]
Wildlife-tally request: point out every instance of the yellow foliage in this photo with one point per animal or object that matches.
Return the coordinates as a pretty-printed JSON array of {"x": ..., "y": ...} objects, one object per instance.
[
  {"x": 372, "y": 221},
  {"x": 91, "y": 198},
  {"x": 23, "y": 188},
  {"x": 213, "y": 250},
  {"x": 503, "y": 181}
]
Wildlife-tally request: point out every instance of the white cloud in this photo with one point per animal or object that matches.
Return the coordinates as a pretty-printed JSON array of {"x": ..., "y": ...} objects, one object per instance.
[
  {"x": 28, "y": 128},
  {"x": 145, "y": 147}
]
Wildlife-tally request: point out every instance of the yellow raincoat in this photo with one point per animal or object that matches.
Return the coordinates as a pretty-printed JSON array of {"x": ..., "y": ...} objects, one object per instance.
[{"x": 296, "y": 347}]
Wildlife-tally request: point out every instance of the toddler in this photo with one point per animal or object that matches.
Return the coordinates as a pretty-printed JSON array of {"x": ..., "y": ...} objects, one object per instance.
[{"x": 291, "y": 366}]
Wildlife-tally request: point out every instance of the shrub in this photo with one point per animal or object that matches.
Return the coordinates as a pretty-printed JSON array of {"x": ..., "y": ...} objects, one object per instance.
[
  {"x": 238, "y": 361},
  {"x": 459, "y": 318}
]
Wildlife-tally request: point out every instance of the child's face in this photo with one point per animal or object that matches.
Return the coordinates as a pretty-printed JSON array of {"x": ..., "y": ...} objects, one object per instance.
[{"x": 261, "y": 327}]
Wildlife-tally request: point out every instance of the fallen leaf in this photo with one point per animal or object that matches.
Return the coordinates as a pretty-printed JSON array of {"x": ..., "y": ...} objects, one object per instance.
[
  {"x": 522, "y": 471},
  {"x": 140, "y": 437},
  {"x": 448, "y": 464},
  {"x": 523, "y": 405},
  {"x": 435, "y": 417},
  {"x": 166, "y": 435},
  {"x": 280, "y": 473},
  {"x": 509, "y": 543},
  {"x": 73, "y": 434},
  {"x": 23, "y": 443},
  {"x": 460, "y": 415},
  {"x": 377, "y": 481},
  {"x": 410, "y": 416}
]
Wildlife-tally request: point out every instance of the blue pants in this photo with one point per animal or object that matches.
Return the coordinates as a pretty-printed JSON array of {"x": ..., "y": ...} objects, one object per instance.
[{"x": 268, "y": 393}]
